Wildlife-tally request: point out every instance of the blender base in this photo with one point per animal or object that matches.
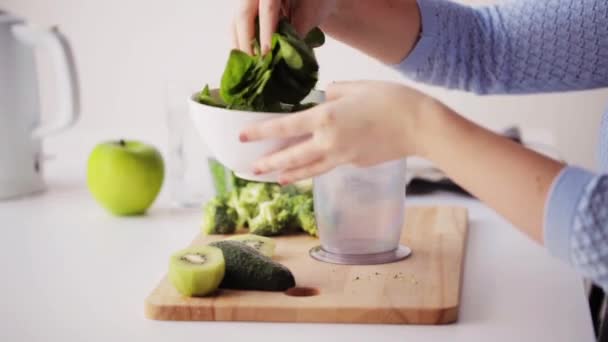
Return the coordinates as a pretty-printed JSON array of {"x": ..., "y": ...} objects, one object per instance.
[{"x": 398, "y": 254}]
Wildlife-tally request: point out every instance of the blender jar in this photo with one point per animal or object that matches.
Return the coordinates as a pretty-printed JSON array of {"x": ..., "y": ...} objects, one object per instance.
[{"x": 360, "y": 214}]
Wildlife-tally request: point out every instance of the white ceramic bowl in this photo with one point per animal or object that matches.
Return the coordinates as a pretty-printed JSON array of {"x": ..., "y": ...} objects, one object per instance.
[{"x": 220, "y": 128}]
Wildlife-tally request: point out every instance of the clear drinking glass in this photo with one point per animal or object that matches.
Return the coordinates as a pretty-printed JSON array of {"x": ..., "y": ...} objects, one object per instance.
[
  {"x": 360, "y": 212},
  {"x": 189, "y": 178}
]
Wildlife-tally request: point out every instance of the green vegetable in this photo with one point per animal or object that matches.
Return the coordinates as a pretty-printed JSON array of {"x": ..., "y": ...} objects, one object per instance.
[
  {"x": 254, "y": 193},
  {"x": 315, "y": 38},
  {"x": 275, "y": 82},
  {"x": 219, "y": 217},
  {"x": 273, "y": 217},
  {"x": 246, "y": 269},
  {"x": 219, "y": 175},
  {"x": 239, "y": 69},
  {"x": 290, "y": 54},
  {"x": 267, "y": 209},
  {"x": 245, "y": 198},
  {"x": 205, "y": 97},
  {"x": 304, "y": 213},
  {"x": 243, "y": 211},
  {"x": 262, "y": 244}
]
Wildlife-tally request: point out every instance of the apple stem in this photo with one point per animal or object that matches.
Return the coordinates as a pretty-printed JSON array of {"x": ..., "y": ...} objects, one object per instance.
[{"x": 122, "y": 143}]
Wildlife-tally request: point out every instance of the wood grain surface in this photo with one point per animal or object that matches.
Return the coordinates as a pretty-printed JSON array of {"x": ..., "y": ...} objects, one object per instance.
[{"x": 422, "y": 289}]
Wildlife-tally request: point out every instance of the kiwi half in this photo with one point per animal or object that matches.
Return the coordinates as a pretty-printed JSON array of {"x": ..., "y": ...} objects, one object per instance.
[
  {"x": 262, "y": 244},
  {"x": 197, "y": 271}
]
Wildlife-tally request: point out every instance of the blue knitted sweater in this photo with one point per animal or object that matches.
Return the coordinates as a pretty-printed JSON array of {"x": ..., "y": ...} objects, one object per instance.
[{"x": 522, "y": 47}]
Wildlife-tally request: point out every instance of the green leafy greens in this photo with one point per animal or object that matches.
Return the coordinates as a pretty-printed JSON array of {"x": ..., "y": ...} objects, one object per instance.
[{"x": 275, "y": 82}]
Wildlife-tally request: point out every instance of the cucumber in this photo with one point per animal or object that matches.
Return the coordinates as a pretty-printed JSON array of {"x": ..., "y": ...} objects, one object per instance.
[
  {"x": 246, "y": 269},
  {"x": 262, "y": 244}
]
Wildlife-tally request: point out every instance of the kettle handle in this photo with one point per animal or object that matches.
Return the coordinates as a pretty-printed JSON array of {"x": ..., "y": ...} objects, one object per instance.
[{"x": 62, "y": 59}]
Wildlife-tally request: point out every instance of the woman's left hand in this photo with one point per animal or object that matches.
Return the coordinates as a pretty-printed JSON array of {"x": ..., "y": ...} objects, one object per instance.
[{"x": 361, "y": 123}]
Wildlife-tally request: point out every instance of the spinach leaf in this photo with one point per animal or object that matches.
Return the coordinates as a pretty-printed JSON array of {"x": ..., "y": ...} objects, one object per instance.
[
  {"x": 275, "y": 82},
  {"x": 315, "y": 38},
  {"x": 205, "y": 97},
  {"x": 237, "y": 70}
]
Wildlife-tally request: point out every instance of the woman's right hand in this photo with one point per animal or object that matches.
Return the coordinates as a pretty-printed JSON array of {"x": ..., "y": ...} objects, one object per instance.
[{"x": 303, "y": 14}]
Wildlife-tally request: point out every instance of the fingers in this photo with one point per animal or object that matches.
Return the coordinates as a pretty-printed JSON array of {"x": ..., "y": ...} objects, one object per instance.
[
  {"x": 233, "y": 35},
  {"x": 306, "y": 172},
  {"x": 269, "y": 17},
  {"x": 289, "y": 126},
  {"x": 290, "y": 158},
  {"x": 245, "y": 24}
]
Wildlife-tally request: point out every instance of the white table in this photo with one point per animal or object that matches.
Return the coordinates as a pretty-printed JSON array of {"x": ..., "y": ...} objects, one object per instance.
[{"x": 70, "y": 272}]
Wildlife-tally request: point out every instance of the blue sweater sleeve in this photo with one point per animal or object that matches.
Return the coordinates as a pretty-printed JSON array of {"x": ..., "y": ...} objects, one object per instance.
[
  {"x": 515, "y": 47},
  {"x": 576, "y": 222},
  {"x": 529, "y": 46}
]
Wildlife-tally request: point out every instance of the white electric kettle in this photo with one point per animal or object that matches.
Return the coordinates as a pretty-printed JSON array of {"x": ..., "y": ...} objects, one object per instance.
[{"x": 21, "y": 129}]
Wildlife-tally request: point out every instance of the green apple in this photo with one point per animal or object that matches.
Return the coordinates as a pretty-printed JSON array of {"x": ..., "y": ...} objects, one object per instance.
[{"x": 125, "y": 177}]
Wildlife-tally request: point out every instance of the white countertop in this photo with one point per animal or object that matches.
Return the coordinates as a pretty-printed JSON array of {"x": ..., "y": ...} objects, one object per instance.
[{"x": 70, "y": 272}]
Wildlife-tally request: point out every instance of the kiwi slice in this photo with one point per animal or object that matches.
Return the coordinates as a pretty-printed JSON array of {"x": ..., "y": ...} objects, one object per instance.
[
  {"x": 197, "y": 271},
  {"x": 262, "y": 244}
]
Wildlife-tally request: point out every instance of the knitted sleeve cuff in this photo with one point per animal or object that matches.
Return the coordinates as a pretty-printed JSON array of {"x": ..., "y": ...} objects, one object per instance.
[{"x": 561, "y": 208}]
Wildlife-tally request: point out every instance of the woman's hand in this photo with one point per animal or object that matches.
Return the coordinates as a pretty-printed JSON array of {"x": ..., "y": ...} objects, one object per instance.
[
  {"x": 365, "y": 123},
  {"x": 361, "y": 123},
  {"x": 304, "y": 15}
]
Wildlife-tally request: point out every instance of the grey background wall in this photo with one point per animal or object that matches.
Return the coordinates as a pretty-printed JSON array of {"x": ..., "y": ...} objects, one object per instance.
[{"x": 127, "y": 49}]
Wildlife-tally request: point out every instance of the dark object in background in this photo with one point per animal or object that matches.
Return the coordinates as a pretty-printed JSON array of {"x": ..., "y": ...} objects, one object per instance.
[
  {"x": 597, "y": 298},
  {"x": 424, "y": 183},
  {"x": 420, "y": 186},
  {"x": 598, "y": 305}
]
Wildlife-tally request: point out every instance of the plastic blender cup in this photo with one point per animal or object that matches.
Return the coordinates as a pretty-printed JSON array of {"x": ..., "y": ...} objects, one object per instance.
[{"x": 360, "y": 214}]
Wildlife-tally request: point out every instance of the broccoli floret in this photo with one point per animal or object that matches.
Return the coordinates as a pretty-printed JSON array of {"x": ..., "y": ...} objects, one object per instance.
[
  {"x": 304, "y": 214},
  {"x": 246, "y": 201},
  {"x": 296, "y": 202},
  {"x": 274, "y": 189},
  {"x": 308, "y": 223},
  {"x": 272, "y": 218},
  {"x": 290, "y": 190},
  {"x": 265, "y": 208},
  {"x": 219, "y": 217},
  {"x": 243, "y": 211},
  {"x": 255, "y": 193}
]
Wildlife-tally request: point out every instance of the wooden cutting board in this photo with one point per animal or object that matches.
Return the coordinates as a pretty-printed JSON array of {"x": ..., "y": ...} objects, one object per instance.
[{"x": 422, "y": 289}]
